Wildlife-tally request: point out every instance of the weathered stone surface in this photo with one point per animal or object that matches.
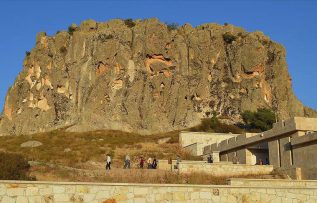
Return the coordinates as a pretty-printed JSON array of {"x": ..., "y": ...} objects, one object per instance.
[
  {"x": 7, "y": 199},
  {"x": 31, "y": 144},
  {"x": 146, "y": 78},
  {"x": 21, "y": 199},
  {"x": 239, "y": 190},
  {"x": 163, "y": 140}
]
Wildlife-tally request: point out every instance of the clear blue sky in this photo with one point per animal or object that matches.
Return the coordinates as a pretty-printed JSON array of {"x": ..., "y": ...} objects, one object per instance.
[{"x": 292, "y": 23}]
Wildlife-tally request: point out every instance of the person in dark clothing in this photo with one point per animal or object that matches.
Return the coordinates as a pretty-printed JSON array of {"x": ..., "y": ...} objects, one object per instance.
[
  {"x": 142, "y": 162},
  {"x": 209, "y": 159},
  {"x": 267, "y": 161},
  {"x": 127, "y": 162},
  {"x": 154, "y": 164},
  {"x": 178, "y": 160},
  {"x": 170, "y": 161}
]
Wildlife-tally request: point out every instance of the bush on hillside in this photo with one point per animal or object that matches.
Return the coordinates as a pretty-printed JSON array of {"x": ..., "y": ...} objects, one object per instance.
[
  {"x": 172, "y": 26},
  {"x": 14, "y": 167},
  {"x": 262, "y": 119},
  {"x": 71, "y": 29},
  {"x": 129, "y": 23},
  {"x": 214, "y": 125},
  {"x": 229, "y": 38}
]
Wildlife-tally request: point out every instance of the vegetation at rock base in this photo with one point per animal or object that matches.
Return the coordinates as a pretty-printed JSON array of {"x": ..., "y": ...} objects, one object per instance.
[
  {"x": 262, "y": 119},
  {"x": 14, "y": 167},
  {"x": 129, "y": 23},
  {"x": 214, "y": 125}
]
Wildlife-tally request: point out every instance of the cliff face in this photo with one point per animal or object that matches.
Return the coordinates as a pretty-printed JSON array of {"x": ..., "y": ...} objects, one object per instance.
[{"x": 146, "y": 78}]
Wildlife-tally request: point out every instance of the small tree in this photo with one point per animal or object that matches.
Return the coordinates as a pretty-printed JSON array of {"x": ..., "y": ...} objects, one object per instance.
[
  {"x": 262, "y": 119},
  {"x": 172, "y": 26},
  {"x": 214, "y": 125},
  {"x": 129, "y": 23},
  {"x": 72, "y": 29}
]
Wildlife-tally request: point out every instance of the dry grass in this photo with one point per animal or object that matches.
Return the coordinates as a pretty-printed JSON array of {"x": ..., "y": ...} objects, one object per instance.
[
  {"x": 116, "y": 175},
  {"x": 92, "y": 146},
  {"x": 85, "y": 159}
]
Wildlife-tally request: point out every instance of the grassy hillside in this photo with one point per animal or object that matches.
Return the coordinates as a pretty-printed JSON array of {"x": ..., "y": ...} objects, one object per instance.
[{"x": 73, "y": 149}]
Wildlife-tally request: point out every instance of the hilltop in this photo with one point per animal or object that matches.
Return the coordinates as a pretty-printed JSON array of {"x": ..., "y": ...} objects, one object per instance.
[{"x": 146, "y": 77}]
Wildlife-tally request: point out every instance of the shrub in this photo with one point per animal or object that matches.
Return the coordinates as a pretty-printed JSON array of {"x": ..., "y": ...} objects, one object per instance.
[
  {"x": 229, "y": 38},
  {"x": 262, "y": 119},
  {"x": 172, "y": 26},
  {"x": 14, "y": 167},
  {"x": 214, "y": 125},
  {"x": 27, "y": 53},
  {"x": 129, "y": 23},
  {"x": 71, "y": 29}
]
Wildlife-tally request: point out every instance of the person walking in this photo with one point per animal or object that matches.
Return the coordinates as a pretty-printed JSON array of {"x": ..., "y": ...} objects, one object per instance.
[
  {"x": 127, "y": 162},
  {"x": 108, "y": 162},
  {"x": 209, "y": 159},
  {"x": 142, "y": 162},
  {"x": 170, "y": 161},
  {"x": 149, "y": 163},
  {"x": 178, "y": 160},
  {"x": 154, "y": 163}
]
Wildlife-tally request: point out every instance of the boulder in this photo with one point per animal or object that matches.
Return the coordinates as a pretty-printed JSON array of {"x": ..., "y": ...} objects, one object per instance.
[{"x": 31, "y": 144}]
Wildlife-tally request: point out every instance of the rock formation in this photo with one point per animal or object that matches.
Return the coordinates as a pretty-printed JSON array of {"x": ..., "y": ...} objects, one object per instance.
[{"x": 146, "y": 77}]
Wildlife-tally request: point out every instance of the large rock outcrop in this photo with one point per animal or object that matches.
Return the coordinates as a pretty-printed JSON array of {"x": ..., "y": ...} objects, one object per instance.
[{"x": 146, "y": 77}]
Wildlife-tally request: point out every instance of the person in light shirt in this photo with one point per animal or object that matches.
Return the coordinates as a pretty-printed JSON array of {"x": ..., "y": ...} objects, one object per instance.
[{"x": 108, "y": 162}]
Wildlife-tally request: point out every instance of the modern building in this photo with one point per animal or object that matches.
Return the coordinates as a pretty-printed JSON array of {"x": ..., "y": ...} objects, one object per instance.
[{"x": 290, "y": 146}]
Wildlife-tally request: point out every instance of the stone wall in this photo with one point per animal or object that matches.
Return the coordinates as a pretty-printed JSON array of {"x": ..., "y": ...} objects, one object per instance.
[
  {"x": 217, "y": 169},
  {"x": 195, "y": 149},
  {"x": 18, "y": 191},
  {"x": 188, "y": 138},
  {"x": 304, "y": 150},
  {"x": 224, "y": 168},
  {"x": 272, "y": 182}
]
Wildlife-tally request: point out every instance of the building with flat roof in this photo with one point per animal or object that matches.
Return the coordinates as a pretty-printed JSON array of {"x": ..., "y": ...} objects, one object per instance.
[{"x": 290, "y": 146}]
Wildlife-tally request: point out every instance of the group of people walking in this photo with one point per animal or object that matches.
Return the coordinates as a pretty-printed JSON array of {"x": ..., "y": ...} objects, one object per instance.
[{"x": 151, "y": 163}]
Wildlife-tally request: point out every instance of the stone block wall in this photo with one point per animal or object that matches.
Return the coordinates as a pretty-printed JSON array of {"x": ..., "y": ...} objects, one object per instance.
[
  {"x": 273, "y": 183},
  {"x": 188, "y": 138},
  {"x": 18, "y": 191},
  {"x": 224, "y": 168},
  {"x": 195, "y": 149},
  {"x": 305, "y": 155}
]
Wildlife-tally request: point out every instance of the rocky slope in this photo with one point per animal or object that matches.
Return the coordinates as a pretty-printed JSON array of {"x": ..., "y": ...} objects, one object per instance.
[{"x": 146, "y": 77}]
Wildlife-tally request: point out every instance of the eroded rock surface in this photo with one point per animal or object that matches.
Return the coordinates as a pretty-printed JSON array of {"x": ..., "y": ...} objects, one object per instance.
[{"x": 147, "y": 78}]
